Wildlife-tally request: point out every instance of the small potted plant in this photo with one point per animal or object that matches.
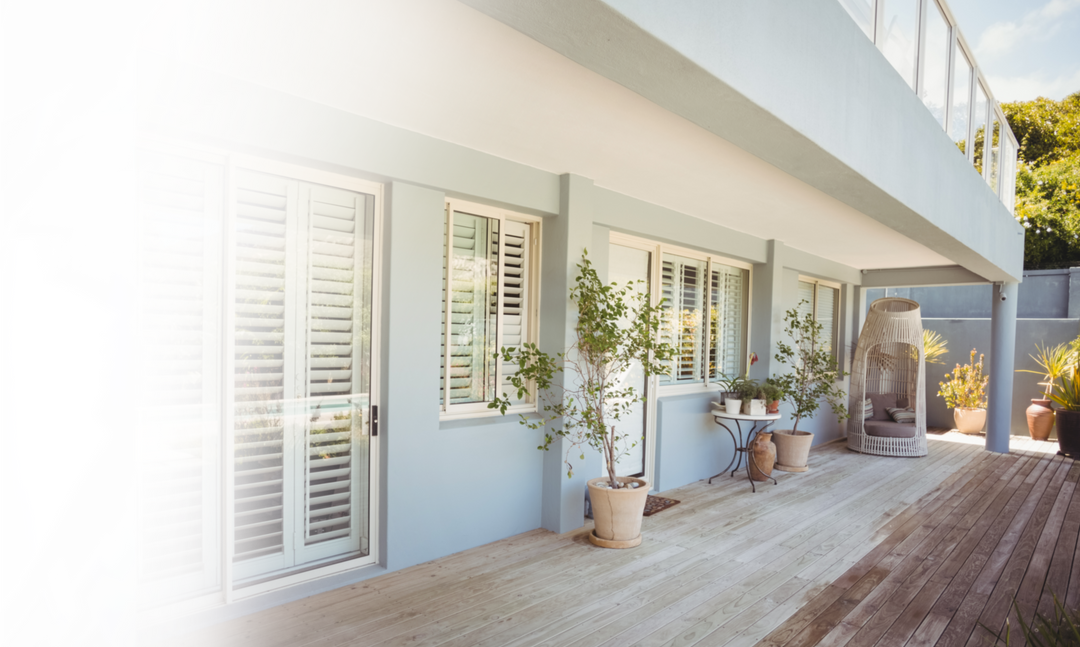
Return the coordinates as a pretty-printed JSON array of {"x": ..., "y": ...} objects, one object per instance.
[
  {"x": 617, "y": 329},
  {"x": 772, "y": 394},
  {"x": 748, "y": 394},
  {"x": 965, "y": 393},
  {"x": 1054, "y": 363},
  {"x": 812, "y": 378}
]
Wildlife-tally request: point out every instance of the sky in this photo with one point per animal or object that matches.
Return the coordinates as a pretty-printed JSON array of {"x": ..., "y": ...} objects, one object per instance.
[{"x": 1025, "y": 48}]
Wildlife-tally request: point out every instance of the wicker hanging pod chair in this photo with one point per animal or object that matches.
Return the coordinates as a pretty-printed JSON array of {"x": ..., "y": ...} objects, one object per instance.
[{"x": 889, "y": 371}]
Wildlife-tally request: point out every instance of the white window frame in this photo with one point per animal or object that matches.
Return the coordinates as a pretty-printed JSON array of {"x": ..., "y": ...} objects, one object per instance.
[
  {"x": 835, "y": 335},
  {"x": 228, "y": 592},
  {"x": 449, "y": 411},
  {"x": 658, "y": 250}
]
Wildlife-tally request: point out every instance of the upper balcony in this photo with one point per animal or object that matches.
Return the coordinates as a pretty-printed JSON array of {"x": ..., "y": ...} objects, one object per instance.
[{"x": 800, "y": 86}]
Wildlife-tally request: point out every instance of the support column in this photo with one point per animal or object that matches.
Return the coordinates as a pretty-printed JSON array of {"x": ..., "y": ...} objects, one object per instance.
[
  {"x": 565, "y": 238},
  {"x": 767, "y": 316},
  {"x": 1002, "y": 353}
]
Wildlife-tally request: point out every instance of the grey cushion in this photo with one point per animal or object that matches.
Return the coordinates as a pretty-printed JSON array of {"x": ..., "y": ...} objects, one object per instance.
[
  {"x": 883, "y": 401},
  {"x": 889, "y": 429}
]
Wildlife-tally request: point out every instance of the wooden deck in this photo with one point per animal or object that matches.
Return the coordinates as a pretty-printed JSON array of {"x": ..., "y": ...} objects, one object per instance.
[{"x": 858, "y": 551}]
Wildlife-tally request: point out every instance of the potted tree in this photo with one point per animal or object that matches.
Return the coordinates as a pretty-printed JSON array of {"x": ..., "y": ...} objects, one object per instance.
[
  {"x": 811, "y": 380},
  {"x": 1068, "y": 416},
  {"x": 1054, "y": 362},
  {"x": 617, "y": 328},
  {"x": 965, "y": 394}
]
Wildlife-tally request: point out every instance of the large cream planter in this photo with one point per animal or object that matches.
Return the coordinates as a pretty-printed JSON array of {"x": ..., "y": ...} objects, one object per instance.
[
  {"x": 792, "y": 450},
  {"x": 617, "y": 513},
  {"x": 969, "y": 421}
]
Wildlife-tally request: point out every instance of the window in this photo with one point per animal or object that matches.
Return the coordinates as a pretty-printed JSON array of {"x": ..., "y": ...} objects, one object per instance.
[
  {"x": 934, "y": 62},
  {"x": 897, "y": 35},
  {"x": 705, "y": 308},
  {"x": 490, "y": 273},
  {"x": 255, "y": 334},
  {"x": 822, "y": 301}
]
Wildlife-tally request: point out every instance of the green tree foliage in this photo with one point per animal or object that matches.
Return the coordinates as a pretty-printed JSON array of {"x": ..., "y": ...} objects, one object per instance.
[{"x": 1048, "y": 179}]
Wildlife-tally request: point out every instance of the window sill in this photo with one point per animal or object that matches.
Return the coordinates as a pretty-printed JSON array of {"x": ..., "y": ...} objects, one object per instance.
[
  {"x": 490, "y": 413},
  {"x": 687, "y": 389}
]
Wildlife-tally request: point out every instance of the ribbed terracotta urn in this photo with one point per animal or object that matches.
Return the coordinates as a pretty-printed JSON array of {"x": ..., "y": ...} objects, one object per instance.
[
  {"x": 617, "y": 513},
  {"x": 1040, "y": 419},
  {"x": 763, "y": 456}
]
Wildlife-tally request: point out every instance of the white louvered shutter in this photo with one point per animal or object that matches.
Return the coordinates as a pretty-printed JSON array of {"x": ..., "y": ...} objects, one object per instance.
[
  {"x": 683, "y": 290},
  {"x": 728, "y": 302},
  {"x": 806, "y": 299},
  {"x": 514, "y": 285},
  {"x": 264, "y": 361},
  {"x": 332, "y": 505},
  {"x": 180, "y": 218},
  {"x": 826, "y": 314}
]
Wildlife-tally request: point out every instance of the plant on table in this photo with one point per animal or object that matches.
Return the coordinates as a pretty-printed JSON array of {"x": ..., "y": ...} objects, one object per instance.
[{"x": 617, "y": 328}]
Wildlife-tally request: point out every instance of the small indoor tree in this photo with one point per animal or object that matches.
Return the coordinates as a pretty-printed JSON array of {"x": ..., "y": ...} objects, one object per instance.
[
  {"x": 814, "y": 371},
  {"x": 616, "y": 328}
]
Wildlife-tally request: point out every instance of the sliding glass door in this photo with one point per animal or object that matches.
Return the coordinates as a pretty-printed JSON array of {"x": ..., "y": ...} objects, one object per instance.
[{"x": 256, "y": 333}]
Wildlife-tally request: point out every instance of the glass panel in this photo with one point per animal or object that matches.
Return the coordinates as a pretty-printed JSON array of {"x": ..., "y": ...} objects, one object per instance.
[
  {"x": 180, "y": 212},
  {"x": 995, "y": 155},
  {"x": 1008, "y": 170},
  {"x": 961, "y": 99},
  {"x": 862, "y": 12},
  {"x": 727, "y": 321},
  {"x": 302, "y": 314},
  {"x": 682, "y": 284},
  {"x": 626, "y": 265},
  {"x": 473, "y": 308},
  {"x": 979, "y": 119},
  {"x": 898, "y": 35},
  {"x": 935, "y": 62}
]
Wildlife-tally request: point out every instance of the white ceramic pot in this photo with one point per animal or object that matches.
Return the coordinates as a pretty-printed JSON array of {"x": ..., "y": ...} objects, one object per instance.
[
  {"x": 733, "y": 406},
  {"x": 969, "y": 421},
  {"x": 617, "y": 513}
]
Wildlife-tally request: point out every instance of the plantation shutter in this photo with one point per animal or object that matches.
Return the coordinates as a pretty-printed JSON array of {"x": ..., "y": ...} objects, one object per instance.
[
  {"x": 264, "y": 358},
  {"x": 683, "y": 289},
  {"x": 332, "y": 506},
  {"x": 472, "y": 264},
  {"x": 180, "y": 220},
  {"x": 828, "y": 299},
  {"x": 728, "y": 303},
  {"x": 806, "y": 299},
  {"x": 515, "y": 297}
]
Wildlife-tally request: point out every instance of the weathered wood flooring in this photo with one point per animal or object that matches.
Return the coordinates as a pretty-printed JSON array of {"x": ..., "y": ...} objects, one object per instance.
[{"x": 858, "y": 551}]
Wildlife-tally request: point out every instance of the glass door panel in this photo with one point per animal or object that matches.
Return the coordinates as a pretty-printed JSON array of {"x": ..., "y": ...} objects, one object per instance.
[{"x": 179, "y": 399}]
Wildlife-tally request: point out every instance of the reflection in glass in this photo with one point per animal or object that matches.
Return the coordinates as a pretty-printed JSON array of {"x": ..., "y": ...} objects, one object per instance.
[
  {"x": 898, "y": 35},
  {"x": 179, "y": 398},
  {"x": 995, "y": 156},
  {"x": 474, "y": 308},
  {"x": 862, "y": 12},
  {"x": 935, "y": 61},
  {"x": 979, "y": 120},
  {"x": 682, "y": 282},
  {"x": 961, "y": 99},
  {"x": 727, "y": 312}
]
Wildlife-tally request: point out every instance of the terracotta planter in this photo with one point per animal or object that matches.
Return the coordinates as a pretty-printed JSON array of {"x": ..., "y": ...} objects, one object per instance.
[
  {"x": 1068, "y": 432},
  {"x": 1040, "y": 419},
  {"x": 792, "y": 450},
  {"x": 969, "y": 421},
  {"x": 617, "y": 513},
  {"x": 763, "y": 451},
  {"x": 773, "y": 407}
]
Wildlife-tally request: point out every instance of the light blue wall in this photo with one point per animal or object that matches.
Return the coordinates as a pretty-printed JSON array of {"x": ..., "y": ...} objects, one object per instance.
[{"x": 448, "y": 486}]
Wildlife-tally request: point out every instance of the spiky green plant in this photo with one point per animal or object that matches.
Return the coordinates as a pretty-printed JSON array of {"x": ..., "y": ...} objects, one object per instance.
[
  {"x": 934, "y": 347},
  {"x": 1061, "y": 630},
  {"x": 1054, "y": 362},
  {"x": 1068, "y": 396}
]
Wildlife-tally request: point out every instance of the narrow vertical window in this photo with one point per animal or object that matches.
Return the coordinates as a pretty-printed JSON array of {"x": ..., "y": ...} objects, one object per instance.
[{"x": 682, "y": 284}]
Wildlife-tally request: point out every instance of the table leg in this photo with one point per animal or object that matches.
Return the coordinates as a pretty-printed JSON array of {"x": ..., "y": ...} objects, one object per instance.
[{"x": 736, "y": 453}]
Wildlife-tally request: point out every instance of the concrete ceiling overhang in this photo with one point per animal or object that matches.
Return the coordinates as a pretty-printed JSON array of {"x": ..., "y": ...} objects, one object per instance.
[
  {"x": 562, "y": 86},
  {"x": 597, "y": 36}
]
